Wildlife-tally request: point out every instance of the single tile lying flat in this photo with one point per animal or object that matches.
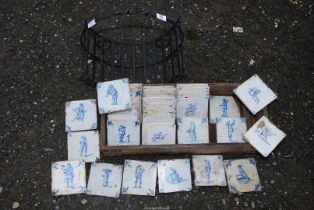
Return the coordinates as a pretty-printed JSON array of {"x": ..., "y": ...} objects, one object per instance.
[
  {"x": 242, "y": 175},
  {"x": 255, "y": 94},
  {"x": 68, "y": 177},
  {"x": 230, "y": 130},
  {"x": 123, "y": 133},
  {"x": 83, "y": 146},
  {"x": 223, "y": 106},
  {"x": 187, "y": 107},
  {"x": 158, "y": 133},
  {"x": 139, "y": 178},
  {"x": 193, "y": 130},
  {"x": 264, "y": 136},
  {"x": 209, "y": 170},
  {"x": 113, "y": 96},
  {"x": 80, "y": 115},
  {"x": 174, "y": 175},
  {"x": 134, "y": 114},
  {"x": 105, "y": 180}
]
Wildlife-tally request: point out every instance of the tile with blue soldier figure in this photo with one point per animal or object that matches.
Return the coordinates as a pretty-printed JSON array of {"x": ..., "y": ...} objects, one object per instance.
[
  {"x": 223, "y": 106},
  {"x": 174, "y": 175},
  {"x": 242, "y": 175},
  {"x": 264, "y": 136},
  {"x": 209, "y": 170},
  {"x": 83, "y": 145},
  {"x": 193, "y": 130},
  {"x": 123, "y": 133},
  {"x": 188, "y": 107},
  {"x": 105, "y": 180},
  {"x": 80, "y": 115},
  {"x": 139, "y": 178},
  {"x": 255, "y": 94},
  {"x": 230, "y": 130},
  {"x": 113, "y": 96},
  {"x": 158, "y": 133},
  {"x": 68, "y": 177}
]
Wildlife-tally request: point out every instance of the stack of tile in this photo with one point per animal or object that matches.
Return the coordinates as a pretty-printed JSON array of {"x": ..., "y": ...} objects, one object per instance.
[
  {"x": 192, "y": 113},
  {"x": 159, "y": 111}
]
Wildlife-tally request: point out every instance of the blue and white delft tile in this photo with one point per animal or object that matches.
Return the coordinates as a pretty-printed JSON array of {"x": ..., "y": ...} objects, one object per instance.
[
  {"x": 136, "y": 89},
  {"x": 255, "y": 94},
  {"x": 113, "y": 96},
  {"x": 80, "y": 115},
  {"x": 193, "y": 91},
  {"x": 264, "y": 136},
  {"x": 188, "y": 107},
  {"x": 242, "y": 175},
  {"x": 129, "y": 115},
  {"x": 123, "y": 133},
  {"x": 139, "y": 178},
  {"x": 84, "y": 146},
  {"x": 230, "y": 130},
  {"x": 193, "y": 130},
  {"x": 174, "y": 175},
  {"x": 105, "y": 180},
  {"x": 158, "y": 133},
  {"x": 223, "y": 106},
  {"x": 209, "y": 170},
  {"x": 68, "y": 177},
  {"x": 164, "y": 91}
]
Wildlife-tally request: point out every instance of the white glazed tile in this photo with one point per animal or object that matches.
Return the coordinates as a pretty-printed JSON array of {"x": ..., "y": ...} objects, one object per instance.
[
  {"x": 113, "y": 96},
  {"x": 83, "y": 146},
  {"x": 230, "y": 130},
  {"x": 264, "y": 136},
  {"x": 80, "y": 115},
  {"x": 209, "y": 170},
  {"x": 158, "y": 133},
  {"x": 68, "y": 177},
  {"x": 187, "y": 107},
  {"x": 105, "y": 180},
  {"x": 193, "y": 130},
  {"x": 242, "y": 175},
  {"x": 223, "y": 106},
  {"x": 255, "y": 94},
  {"x": 174, "y": 175},
  {"x": 139, "y": 178},
  {"x": 123, "y": 133}
]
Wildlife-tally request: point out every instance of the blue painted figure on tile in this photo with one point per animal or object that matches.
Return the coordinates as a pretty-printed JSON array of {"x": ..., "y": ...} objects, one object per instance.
[
  {"x": 128, "y": 137},
  {"x": 105, "y": 176},
  {"x": 138, "y": 176},
  {"x": 121, "y": 131},
  {"x": 173, "y": 177},
  {"x": 254, "y": 92},
  {"x": 224, "y": 107},
  {"x": 158, "y": 137},
  {"x": 192, "y": 132},
  {"x": 80, "y": 113},
  {"x": 113, "y": 93},
  {"x": 68, "y": 172},
  {"x": 138, "y": 93},
  {"x": 242, "y": 177},
  {"x": 263, "y": 134},
  {"x": 230, "y": 129},
  {"x": 208, "y": 170},
  {"x": 83, "y": 143},
  {"x": 190, "y": 110}
]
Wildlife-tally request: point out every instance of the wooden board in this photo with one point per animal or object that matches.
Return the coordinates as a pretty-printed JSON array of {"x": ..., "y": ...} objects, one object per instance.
[{"x": 216, "y": 89}]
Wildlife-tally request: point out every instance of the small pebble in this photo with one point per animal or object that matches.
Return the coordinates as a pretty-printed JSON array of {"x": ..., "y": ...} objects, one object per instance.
[
  {"x": 84, "y": 201},
  {"x": 15, "y": 205},
  {"x": 272, "y": 181},
  {"x": 223, "y": 201},
  {"x": 1, "y": 189},
  {"x": 253, "y": 205}
]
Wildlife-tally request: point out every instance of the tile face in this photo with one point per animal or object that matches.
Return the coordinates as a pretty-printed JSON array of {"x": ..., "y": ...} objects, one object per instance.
[
  {"x": 187, "y": 107},
  {"x": 134, "y": 114},
  {"x": 255, "y": 94},
  {"x": 158, "y": 133},
  {"x": 242, "y": 175},
  {"x": 80, "y": 115},
  {"x": 174, "y": 175},
  {"x": 139, "y": 178},
  {"x": 105, "y": 180},
  {"x": 123, "y": 133},
  {"x": 209, "y": 170},
  {"x": 230, "y": 130},
  {"x": 223, "y": 106},
  {"x": 68, "y": 177},
  {"x": 113, "y": 96},
  {"x": 83, "y": 146},
  {"x": 193, "y": 130},
  {"x": 264, "y": 136},
  {"x": 156, "y": 110}
]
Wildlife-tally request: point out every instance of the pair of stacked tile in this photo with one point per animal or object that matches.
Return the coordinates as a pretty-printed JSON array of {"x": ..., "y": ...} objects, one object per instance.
[
  {"x": 159, "y": 111},
  {"x": 192, "y": 113}
]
